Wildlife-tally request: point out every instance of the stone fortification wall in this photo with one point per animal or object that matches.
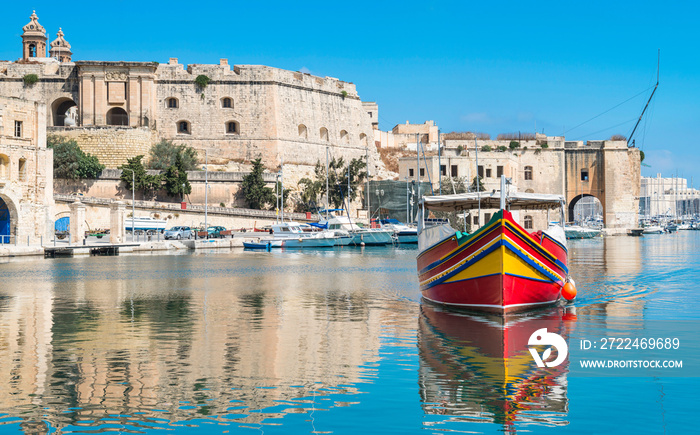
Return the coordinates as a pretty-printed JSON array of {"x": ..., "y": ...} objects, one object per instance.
[
  {"x": 279, "y": 115},
  {"x": 112, "y": 145}
]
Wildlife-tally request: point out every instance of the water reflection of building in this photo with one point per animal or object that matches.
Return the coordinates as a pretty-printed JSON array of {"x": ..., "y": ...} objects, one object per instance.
[
  {"x": 95, "y": 349},
  {"x": 479, "y": 368}
]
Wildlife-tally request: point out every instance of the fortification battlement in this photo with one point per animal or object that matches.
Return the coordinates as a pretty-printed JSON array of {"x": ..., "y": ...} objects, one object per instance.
[
  {"x": 596, "y": 144},
  {"x": 174, "y": 71}
]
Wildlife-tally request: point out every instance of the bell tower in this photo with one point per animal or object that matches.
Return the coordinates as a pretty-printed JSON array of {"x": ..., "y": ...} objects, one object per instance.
[
  {"x": 60, "y": 48},
  {"x": 33, "y": 39}
]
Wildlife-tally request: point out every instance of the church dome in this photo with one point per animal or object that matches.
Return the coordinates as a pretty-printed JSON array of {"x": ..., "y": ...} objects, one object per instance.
[
  {"x": 60, "y": 48},
  {"x": 60, "y": 41},
  {"x": 33, "y": 27}
]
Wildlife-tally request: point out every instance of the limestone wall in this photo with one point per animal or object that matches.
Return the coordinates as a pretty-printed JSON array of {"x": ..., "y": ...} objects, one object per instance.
[
  {"x": 112, "y": 145},
  {"x": 26, "y": 169}
]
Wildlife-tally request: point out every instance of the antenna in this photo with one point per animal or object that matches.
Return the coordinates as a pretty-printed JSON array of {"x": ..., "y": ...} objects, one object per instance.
[{"x": 658, "y": 61}]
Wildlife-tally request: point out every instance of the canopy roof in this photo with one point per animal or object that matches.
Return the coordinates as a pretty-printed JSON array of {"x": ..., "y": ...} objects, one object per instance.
[{"x": 514, "y": 201}]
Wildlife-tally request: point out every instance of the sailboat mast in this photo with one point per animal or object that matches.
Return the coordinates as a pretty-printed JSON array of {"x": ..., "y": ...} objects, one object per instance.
[{"x": 658, "y": 61}]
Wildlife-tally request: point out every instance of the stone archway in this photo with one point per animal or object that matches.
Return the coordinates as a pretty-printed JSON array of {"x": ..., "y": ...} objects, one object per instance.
[
  {"x": 64, "y": 112},
  {"x": 117, "y": 116},
  {"x": 8, "y": 220},
  {"x": 575, "y": 213}
]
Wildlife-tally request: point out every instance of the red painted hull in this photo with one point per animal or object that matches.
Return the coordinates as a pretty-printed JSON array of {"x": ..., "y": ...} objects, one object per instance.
[{"x": 500, "y": 268}]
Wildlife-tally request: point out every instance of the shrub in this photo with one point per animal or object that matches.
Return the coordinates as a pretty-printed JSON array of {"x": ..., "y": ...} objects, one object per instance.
[
  {"x": 164, "y": 154},
  {"x": 202, "y": 81},
  {"x": 486, "y": 148},
  {"x": 544, "y": 145},
  {"x": 514, "y": 144},
  {"x": 69, "y": 161},
  {"x": 344, "y": 94},
  {"x": 222, "y": 205},
  {"x": 30, "y": 79},
  {"x": 460, "y": 148},
  {"x": 641, "y": 156},
  {"x": 618, "y": 137},
  {"x": 502, "y": 148},
  {"x": 134, "y": 170}
]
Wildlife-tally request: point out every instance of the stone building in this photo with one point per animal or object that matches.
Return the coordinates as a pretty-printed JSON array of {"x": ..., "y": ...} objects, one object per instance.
[
  {"x": 116, "y": 110},
  {"x": 408, "y": 135},
  {"x": 668, "y": 197},
  {"x": 606, "y": 170},
  {"x": 26, "y": 172}
]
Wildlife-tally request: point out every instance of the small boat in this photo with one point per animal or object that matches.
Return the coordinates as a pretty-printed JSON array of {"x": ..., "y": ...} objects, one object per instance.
[
  {"x": 402, "y": 232},
  {"x": 360, "y": 236},
  {"x": 500, "y": 267},
  {"x": 671, "y": 227},
  {"x": 144, "y": 224},
  {"x": 579, "y": 232},
  {"x": 654, "y": 229},
  {"x": 265, "y": 244},
  {"x": 636, "y": 232}
]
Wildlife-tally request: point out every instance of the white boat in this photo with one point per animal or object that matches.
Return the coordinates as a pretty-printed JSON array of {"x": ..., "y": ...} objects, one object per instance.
[
  {"x": 144, "y": 224},
  {"x": 654, "y": 229},
  {"x": 579, "y": 232},
  {"x": 367, "y": 236},
  {"x": 402, "y": 232},
  {"x": 290, "y": 235}
]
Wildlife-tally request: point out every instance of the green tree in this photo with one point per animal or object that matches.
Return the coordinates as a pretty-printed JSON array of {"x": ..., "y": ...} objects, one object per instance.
[
  {"x": 310, "y": 191},
  {"x": 256, "y": 194},
  {"x": 454, "y": 185},
  {"x": 514, "y": 144},
  {"x": 175, "y": 179},
  {"x": 69, "y": 161},
  {"x": 164, "y": 153},
  {"x": 338, "y": 180},
  {"x": 134, "y": 170},
  {"x": 472, "y": 187}
]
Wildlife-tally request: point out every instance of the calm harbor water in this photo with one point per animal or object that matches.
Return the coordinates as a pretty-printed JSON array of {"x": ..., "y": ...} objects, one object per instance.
[{"x": 330, "y": 341}]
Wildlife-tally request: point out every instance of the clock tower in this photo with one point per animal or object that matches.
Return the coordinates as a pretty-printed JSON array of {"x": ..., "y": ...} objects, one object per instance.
[{"x": 33, "y": 39}]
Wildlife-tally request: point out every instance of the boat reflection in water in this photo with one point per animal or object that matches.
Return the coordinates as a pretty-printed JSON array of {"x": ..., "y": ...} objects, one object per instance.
[{"x": 478, "y": 368}]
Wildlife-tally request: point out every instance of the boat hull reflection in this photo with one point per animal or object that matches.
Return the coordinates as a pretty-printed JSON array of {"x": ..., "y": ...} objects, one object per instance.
[{"x": 478, "y": 368}]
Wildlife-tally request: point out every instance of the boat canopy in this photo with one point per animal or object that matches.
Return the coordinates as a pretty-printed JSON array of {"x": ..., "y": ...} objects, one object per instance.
[{"x": 514, "y": 201}]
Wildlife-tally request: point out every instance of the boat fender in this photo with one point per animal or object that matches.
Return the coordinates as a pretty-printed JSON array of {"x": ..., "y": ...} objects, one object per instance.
[
  {"x": 268, "y": 248},
  {"x": 569, "y": 290}
]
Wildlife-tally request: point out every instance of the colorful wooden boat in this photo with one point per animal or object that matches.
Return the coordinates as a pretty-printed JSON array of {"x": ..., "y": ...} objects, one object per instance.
[{"x": 500, "y": 267}]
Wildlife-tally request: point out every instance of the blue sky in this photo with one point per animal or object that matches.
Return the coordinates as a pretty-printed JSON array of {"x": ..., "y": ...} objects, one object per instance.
[{"x": 494, "y": 67}]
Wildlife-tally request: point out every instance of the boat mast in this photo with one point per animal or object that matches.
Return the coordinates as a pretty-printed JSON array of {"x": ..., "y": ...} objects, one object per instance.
[
  {"x": 369, "y": 213},
  {"x": 439, "y": 164},
  {"x": 478, "y": 184},
  {"x": 282, "y": 190},
  {"x": 206, "y": 190},
  {"x": 417, "y": 172},
  {"x": 327, "y": 191},
  {"x": 658, "y": 60}
]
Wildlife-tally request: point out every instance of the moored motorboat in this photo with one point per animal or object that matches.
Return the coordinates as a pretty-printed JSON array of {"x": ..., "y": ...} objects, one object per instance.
[
  {"x": 360, "y": 236},
  {"x": 653, "y": 229},
  {"x": 402, "y": 232},
  {"x": 500, "y": 267},
  {"x": 579, "y": 232}
]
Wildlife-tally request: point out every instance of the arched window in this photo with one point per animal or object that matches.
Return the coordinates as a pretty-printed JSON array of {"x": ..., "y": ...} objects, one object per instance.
[
  {"x": 232, "y": 128},
  {"x": 528, "y": 172},
  {"x": 227, "y": 103},
  {"x": 527, "y": 222},
  {"x": 323, "y": 133},
  {"x": 4, "y": 167},
  {"x": 22, "y": 168},
  {"x": 183, "y": 127},
  {"x": 172, "y": 103},
  {"x": 344, "y": 136},
  {"x": 117, "y": 116},
  {"x": 363, "y": 139},
  {"x": 32, "y": 50},
  {"x": 303, "y": 132}
]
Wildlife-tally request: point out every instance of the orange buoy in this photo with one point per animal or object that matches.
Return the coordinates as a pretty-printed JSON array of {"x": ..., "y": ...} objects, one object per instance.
[{"x": 568, "y": 291}]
